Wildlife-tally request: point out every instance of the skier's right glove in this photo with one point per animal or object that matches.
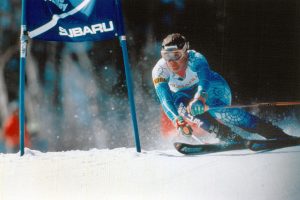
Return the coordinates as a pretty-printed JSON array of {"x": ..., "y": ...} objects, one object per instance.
[{"x": 183, "y": 127}]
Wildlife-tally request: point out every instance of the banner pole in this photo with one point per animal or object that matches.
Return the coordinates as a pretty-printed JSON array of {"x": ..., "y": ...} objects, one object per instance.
[
  {"x": 23, "y": 46},
  {"x": 130, "y": 92},
  {"x": 122, "y": 39}
]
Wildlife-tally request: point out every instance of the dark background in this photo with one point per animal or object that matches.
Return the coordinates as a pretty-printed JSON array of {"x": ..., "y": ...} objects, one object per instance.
[{"x": 254, "y": 44}]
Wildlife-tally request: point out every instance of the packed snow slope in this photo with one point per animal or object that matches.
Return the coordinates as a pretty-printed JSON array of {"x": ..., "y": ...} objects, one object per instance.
[{"x": 124, "y": 174}]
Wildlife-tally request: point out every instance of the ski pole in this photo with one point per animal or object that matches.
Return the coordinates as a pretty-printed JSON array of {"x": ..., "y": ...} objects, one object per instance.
[{"x": 266, "y": 104}]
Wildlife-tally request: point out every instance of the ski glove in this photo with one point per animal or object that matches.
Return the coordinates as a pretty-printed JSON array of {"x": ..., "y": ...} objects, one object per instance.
[
  {"x": 182, "y": 127},
  {"x": 196, "y": 107}
]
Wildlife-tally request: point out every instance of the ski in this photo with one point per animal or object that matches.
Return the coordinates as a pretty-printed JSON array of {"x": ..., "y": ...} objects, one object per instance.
[
  {"x": 254, "y": 145},
  {"x": 259, "y": 145},
  {"x": 198, "y": 149}
]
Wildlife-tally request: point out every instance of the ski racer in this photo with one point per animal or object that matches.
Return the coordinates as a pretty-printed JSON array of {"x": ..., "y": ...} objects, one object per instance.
[{"x": 182, "y": 77}]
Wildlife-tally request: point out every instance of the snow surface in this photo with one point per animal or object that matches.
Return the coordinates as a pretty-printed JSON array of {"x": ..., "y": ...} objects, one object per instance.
[{"x": 123, "y": 173}]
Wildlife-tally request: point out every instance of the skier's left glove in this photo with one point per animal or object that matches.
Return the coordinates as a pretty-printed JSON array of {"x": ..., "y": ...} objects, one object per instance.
[
  {"x": 196, "y": 107},
  {"x": 183, "y": 128}
]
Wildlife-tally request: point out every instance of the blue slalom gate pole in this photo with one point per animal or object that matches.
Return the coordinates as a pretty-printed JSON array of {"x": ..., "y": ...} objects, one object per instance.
[
  {"x": 23, "y": 46},
  {"x": 122, "y": 38},
  {"x": 130, "y": 92}
]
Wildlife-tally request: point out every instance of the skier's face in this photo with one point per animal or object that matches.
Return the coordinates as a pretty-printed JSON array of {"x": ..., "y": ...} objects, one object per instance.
[
  {"x": 173, "y": 53},
  {"x": 176, "y": 58},
  {"x": 178, "y": 65}
]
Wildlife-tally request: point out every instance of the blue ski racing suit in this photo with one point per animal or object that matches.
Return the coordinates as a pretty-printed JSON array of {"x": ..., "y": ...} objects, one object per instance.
[{"x": 200, "y": 80}]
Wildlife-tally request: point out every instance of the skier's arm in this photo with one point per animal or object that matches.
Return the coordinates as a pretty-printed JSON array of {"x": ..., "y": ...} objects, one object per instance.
[
  {"x": 165, "y": 96},
  {"x": 201, "y": 67}
]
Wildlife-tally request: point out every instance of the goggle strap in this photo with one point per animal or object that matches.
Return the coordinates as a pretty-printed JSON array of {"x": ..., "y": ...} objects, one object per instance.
[
  {"x": 171, "y": 48},
  {"x": 175, "y": 47}
]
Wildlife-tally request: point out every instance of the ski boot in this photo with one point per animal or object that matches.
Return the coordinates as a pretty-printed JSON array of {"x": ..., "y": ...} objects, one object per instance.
[
  {"x": 223, "y": 132},
  {"x": 270, "y": 131}
]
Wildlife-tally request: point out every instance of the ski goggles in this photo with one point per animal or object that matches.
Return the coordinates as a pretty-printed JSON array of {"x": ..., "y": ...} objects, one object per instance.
[{"x": 172, "y": 53}]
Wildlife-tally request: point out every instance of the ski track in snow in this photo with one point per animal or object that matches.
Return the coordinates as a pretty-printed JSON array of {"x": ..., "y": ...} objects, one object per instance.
[{"x": 123, "y": 173}]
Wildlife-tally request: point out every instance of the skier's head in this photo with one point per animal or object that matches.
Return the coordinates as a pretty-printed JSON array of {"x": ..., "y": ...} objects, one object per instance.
[{"x": 174, "y": 51}]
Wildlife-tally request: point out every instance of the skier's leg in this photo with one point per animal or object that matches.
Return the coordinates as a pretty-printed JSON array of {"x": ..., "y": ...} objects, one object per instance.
[
  {"x": 251, "y": 123},
  {"x": 269, "y": 131},
  {"x": 218, "y": 95},
  {"x": 223, "y": 132}
]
